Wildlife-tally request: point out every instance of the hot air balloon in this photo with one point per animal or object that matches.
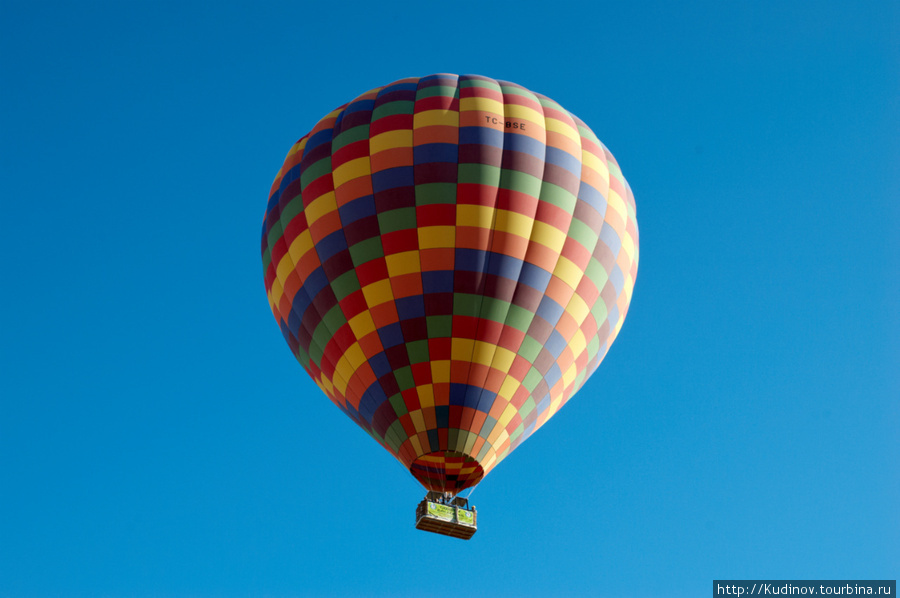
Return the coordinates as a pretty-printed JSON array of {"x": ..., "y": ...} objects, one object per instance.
[{"x": 450, "y": 258}]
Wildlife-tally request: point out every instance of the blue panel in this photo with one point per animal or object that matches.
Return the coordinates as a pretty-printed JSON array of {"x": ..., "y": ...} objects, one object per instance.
[
  {"x": 504, "y": 266},
  {"x": 359, "y": 105},
  {"x": 564, "y": 160},
  {"x": 410, "y": 307},
  {"x": 435, "y": 152},
  {"x": 330, "y": 245},
  {"x": 391, "y": 178},
  {"x": 549, "y": 310},
  {"x": 617, "y": 279},
  {"x": 370, "y": 402},
  {"x": 391, "y": 335},
  {"x": 439, "y": 281},
  {"x": 556, "y": 344},
  {"x": 534, "y": 276},
  {"x": 356, "y": 209},
  {"x": 516, "y": 142},
  {"x": 480, "y": 136},
  {"x": 380, "y": 364},
  {"x": 471, "y": 260},
  {"x": 323, "y": 136},
  {"x": 610, "y": 238},
  {"x": 592, "y": 197}
]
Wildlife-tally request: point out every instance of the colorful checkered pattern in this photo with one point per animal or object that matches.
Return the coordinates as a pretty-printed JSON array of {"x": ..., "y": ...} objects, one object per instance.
[{"x": 450, "y": 259}]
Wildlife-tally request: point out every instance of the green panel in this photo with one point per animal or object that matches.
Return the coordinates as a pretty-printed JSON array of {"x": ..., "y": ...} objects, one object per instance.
[
  {"x": 527, "y": 407},
  {"x": 439, "y": 326},
  {"x": 291, "y": 209},
  {"x": 558, "y": 197},
  {"x": 479, "y": 174},
  {"x": 466, "y": 304},
  {"x": 366, "y": 251},
  {"x": 358, "y": 133},
  {"x": 532, "y": 379},
  {"x": 519, "y": 318},
  {"x": 395, "y": 435},
  {"x": 417, "y": 351},
  {"x": 520, "y": 181},
  {"x": 434, "y": 193},
  {"x": 314, "y": 171},
  {"x": 334, "y": 319},
  {"x": 404, "y": 378},
  {"x": 399, "y": 405},
  {"x": 494, "y": 309},
  {"x": 584, "y": 234},
  {"x": 399, "y": 219},
  {"x": 345, "y": 284},
  {"x": 436, "y": 90},
  {"x": 393, "y": 108},
  {"x": 530, "y": 348},
  {"x": 596, "y": 273}
]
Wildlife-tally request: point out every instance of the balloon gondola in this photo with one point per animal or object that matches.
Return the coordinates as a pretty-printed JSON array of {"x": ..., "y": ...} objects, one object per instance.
[{"x": 450, "y": 258}]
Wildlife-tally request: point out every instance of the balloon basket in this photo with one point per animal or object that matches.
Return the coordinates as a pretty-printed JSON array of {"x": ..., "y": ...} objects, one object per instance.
[{"x": 446, "y": 515}]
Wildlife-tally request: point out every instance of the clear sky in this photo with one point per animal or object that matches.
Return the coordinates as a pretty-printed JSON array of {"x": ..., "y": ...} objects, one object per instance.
[{"x": 157, "y": 438}]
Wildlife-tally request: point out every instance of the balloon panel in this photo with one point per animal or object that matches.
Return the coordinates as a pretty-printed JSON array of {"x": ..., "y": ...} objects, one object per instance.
[{"x": 450, "y": 258}]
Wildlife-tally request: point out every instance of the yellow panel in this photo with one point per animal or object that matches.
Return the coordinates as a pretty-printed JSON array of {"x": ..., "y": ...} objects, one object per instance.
[
  {"x": 437, "y": 236},
  {"x": 596, "y": 164},
  {"x": 320, "y": 207},
  {"x": 378, "y": 292},
  {"x": 470, "y": 443},
  {"x": 564, "y": 128},
  {"x": 548, "y": 235},
  {"x": 628, "y": 245},
  {"x": 417, "y": 447},
  {"x": 524, "y": 112},
  {"x": 509, "y": 387},
  {"x": 569, "y": 376},
  {"x": 461, "y": 349},
  {"x": 418, "y": 420},
  {"x": 616, "y": 203},
  {"x": 285, "y": 267},
  {"x": 482, "y": 104},
  {"x": 578, "y": 309},
  {"x": 405, "y": 262},
  {"x": 484, "y": 353},
  {"x": 351, "y": 170},
  {"x": 275, "y": 296},
  {"x": 503, "y": 359},
  {"x": 430, "y": 118},
  {"x": 507, "y": 415},
  {"x": 578, "y": 343},
  {"x": 300, "y": 245},
  {"x": 469, "y": 215},
  {"x": 391, "y": 140},
  {"x": 362, "y": 324},
  {"x": 356, "y": 357},
  {"x": 568, "y": 272},
  {"x": 426, "y": 395},
  {"x": 514, "y": 223},
  {"x": 342, "y": 373},
  {"x": 440, "y": 370}
]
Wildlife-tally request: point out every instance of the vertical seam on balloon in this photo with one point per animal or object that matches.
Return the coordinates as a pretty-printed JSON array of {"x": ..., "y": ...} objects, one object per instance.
[
  {"x": 506, "y": 317},
  {"x": 480, "y": 291}
]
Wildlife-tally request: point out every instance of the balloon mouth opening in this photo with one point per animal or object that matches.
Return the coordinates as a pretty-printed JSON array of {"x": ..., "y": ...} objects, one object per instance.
[{"x": 447, "y": 471}]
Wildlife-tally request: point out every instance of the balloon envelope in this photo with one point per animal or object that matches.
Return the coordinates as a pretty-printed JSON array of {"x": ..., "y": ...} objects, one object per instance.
[{"x": 450, "y": 258}]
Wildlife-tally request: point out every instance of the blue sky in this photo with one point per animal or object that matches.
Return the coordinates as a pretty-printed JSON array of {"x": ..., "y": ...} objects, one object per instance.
[{"x": 743, "y": 425}]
